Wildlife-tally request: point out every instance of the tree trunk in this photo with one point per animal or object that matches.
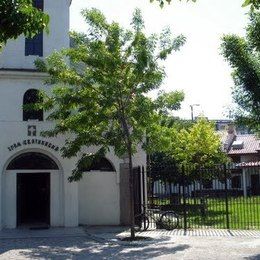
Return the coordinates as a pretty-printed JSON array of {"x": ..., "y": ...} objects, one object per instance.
[
  {"x": 131, "y": 179},
  {"x": 131, "y": 188}
]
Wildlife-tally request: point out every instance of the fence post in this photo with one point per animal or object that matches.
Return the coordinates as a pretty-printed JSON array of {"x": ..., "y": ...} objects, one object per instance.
[
  {"x": 184, "y": 199},
  {"x": 226, "y": 196}
]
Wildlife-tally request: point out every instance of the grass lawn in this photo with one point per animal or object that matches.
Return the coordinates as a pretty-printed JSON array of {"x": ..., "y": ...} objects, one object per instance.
[{"x": 244, "y": 213}]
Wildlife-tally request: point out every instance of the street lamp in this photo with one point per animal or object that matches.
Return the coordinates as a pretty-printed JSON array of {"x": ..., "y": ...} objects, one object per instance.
[{"x": 191, "y": 109}]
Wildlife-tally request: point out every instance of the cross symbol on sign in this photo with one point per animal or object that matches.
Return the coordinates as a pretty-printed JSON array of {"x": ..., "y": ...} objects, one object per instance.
[{"x": 31, "y": 130}]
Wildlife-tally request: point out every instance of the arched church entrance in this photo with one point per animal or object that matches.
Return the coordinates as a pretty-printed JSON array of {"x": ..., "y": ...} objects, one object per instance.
[{"x": 33, "y": 191}]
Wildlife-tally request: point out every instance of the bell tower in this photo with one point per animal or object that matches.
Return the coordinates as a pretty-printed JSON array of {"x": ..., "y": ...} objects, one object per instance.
[
  {"x": 20, "y": 54},
  {"x": 17, "y": 69}
]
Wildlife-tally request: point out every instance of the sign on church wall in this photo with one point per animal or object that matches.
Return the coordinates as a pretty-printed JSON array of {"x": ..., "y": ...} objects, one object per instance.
[
  {"x": 29, "y": 142},
  {"x": 32, "y": 131}
]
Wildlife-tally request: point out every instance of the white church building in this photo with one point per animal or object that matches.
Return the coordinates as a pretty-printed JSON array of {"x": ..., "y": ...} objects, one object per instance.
[{"x": 34, "y": 186}]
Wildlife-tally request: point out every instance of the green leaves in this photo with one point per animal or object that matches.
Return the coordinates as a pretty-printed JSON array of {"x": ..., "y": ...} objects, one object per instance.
[
  {"x": 96, "y": 21},
  {"x": 169, "y": 101},
  {"x": 85, "y": 162},
  {"x": 100, "y": 95},
  {"x": 255, "y": 4},
  {"x": 137, "y": 21},
  {"x": 246, "y": 3},
  {"x": 243, "y": 56},
  {"x": 168, "y": 44},
  {"x": 197, "y": 146},
  {"x": 19, "y": 17}
]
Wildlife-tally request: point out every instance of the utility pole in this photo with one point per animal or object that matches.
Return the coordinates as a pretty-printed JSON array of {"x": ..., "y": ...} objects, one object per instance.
[{"x": 191, "y": 109}]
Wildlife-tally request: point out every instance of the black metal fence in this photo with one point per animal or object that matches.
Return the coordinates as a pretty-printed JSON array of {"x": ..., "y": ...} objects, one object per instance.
[{"x": 223, "y": 196}]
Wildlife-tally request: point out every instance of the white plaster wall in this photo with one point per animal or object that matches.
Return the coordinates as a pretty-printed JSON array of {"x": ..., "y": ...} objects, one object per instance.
[
  {"x": 70, "y": 195},
  {"x": 57, "y": 199},
  {"x": 99, "y": 202},
  {"x": 13, "y": 54},
  {"x": 9, "y": 201},
  {"x": 139, "y": 158}
]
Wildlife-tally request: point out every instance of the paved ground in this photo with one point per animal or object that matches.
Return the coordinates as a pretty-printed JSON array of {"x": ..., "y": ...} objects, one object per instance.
[{"x": 101, "y": 243}]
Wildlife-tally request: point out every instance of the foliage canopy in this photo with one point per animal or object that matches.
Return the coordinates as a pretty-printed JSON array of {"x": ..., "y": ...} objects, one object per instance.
[
  {"x": 101, "y": 97},
  {"x": 196, "y": 146},
  {"x": 243, "y": 55},
  {"x": 188, "y": 148}
]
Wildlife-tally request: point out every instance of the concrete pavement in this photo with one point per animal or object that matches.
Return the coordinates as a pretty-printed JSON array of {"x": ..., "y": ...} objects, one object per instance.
[{"x": 102, "y": 243}]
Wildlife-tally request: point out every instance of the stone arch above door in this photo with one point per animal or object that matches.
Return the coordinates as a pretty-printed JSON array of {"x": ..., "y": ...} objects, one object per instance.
[
  {"x": 32, "y": 161},
  {"x": 34, "y": 151}
]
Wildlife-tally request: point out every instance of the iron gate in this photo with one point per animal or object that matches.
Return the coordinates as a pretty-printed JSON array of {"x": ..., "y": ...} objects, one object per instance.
[{"x": 223, "y": 196}]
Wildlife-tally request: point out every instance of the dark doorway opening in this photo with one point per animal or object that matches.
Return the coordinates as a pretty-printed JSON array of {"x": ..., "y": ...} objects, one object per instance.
[
  {"x": 33, "y": 199},
  {"x": 255, "y": 184}
]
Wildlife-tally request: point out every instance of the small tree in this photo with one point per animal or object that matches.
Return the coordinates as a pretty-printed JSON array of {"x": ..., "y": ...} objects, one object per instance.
[
  {"x": 20, "y": 17},
  {"x": 101, "y": 97},
  {"x": 197, "y": 147}
]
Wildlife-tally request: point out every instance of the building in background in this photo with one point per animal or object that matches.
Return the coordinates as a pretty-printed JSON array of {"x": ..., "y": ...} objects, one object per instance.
[
  {"x": 244, "y": 152},
  {"x": 223, "y": 125}
]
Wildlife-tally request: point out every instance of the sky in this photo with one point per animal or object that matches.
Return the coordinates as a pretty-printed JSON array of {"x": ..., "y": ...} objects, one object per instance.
[{"x": 198, "y": 68}]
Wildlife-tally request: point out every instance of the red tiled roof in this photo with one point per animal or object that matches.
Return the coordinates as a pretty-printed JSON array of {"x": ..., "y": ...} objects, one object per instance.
[{"x": 251, "y": 145}]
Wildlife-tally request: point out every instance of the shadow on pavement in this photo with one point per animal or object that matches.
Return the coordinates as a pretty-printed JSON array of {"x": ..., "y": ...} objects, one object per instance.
[{"x": 82, "y": 248}]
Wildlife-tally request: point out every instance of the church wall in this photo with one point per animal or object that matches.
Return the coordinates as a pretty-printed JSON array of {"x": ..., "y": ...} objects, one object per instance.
[{"x": 99, "y": 199}]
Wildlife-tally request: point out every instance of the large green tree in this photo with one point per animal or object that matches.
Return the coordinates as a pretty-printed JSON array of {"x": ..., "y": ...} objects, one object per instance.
[
  {"x": 243, "y": 54},
  {"x": 20, "y": 17},
  {"x": 100, "y": 96}
]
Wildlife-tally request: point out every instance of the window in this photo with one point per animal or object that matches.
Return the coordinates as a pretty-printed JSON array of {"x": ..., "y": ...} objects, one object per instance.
[
  {"x": 32, "y": 161},
  {"x": 31, "y": 97},
  {"x": 101, "y": 165},
  {"x": 38, "y": 4},
  {"x": 34, "y": 46}
]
